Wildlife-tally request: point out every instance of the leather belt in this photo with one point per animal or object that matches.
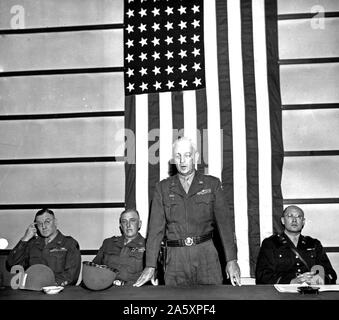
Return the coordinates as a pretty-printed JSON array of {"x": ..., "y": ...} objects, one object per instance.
[{"x": 189, "y": 241}]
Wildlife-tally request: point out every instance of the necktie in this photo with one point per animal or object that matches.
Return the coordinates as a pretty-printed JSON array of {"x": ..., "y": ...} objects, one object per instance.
[{"x": 186, "y": 185}]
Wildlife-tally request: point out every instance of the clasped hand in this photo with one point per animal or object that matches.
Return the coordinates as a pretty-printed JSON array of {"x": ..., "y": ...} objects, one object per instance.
[{"x": 304, "y": 277}]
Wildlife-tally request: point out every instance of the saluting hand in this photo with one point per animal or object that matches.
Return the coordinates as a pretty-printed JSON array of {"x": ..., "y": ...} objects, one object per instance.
[{"x": 30, "y": 232}]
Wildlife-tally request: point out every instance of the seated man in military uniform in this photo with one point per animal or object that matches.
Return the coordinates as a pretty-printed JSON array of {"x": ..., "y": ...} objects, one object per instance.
[
  {"x": 43, "y": 243},
  {"x": 288, "y": 257},
  {"x": 124, "y": 254}
]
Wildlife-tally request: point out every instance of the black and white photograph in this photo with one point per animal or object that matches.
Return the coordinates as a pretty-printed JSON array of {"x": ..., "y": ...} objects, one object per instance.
[{"x": 169, "y": 156}]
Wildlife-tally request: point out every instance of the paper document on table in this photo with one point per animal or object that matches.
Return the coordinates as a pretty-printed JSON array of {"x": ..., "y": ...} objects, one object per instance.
[{"x": 293, "y": 288}]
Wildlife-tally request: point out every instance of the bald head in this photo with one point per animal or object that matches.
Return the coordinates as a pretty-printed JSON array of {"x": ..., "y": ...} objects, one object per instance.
[
  {"x": 293, "y": 220},
  {"x": 293, "y": 209}
]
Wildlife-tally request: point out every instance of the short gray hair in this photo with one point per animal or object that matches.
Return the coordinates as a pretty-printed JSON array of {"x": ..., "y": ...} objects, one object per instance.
[
  {"x": 194, "y": 146},
  {"x": 129, "y": 210}
]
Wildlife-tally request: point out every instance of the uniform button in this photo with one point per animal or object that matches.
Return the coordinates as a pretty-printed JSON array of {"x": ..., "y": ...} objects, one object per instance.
[
  {"x": 297, "y": 257},
  {"x": 280, "y": 255},
  {"x": 298, "y": 263},
  {"x": 299, "y": 270}
]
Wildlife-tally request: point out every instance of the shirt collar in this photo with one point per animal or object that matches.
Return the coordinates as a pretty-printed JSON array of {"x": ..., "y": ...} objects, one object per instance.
[{"x": 188, "y": 178}]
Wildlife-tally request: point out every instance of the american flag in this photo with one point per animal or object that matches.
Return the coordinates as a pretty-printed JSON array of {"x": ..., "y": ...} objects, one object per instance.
[
  {"x": 163, "y": 46},
  {"x": 206, "y": 69}
]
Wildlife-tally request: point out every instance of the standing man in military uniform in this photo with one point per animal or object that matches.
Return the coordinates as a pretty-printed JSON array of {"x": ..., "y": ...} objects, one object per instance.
[
  {"x": 288, "y": 257},
  {"x": 124, "y": 254},
  {"x": 185, "y": 210},
  {"x": 43, "y": 243}
]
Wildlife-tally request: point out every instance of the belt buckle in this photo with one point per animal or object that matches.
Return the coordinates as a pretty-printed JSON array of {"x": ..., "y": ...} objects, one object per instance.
[{"x": 188, "y": 241}]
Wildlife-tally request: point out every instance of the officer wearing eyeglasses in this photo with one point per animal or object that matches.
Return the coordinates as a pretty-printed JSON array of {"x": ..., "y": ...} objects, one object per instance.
[
  {"x": 43, "y": 243},
  {"x": 289, "y": 257}
]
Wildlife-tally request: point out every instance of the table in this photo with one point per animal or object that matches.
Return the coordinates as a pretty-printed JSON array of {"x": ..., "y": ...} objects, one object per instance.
[{"x": 149, "y": 292}]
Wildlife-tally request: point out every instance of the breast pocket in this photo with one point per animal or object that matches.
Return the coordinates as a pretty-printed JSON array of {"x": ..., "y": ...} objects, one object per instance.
[
  {"x": 172, "y": 207},
  {"x": 35, "y": 256},
  {"x": 135, "y": 260},
  {"x": 111, "y": 257},
  {"x": 311, "y": 254},
  {"x": 57, "y": 260},
  {"x": 137, "y": 254},
  {"x": 204, "y": 199},
  {"x": 284, "y": 260}
]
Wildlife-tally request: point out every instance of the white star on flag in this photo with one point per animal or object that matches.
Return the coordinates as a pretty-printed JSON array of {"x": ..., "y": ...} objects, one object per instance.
[
  {"x": 170, "y": 84},
  {"x": 142, "y": 12},
  {"x": 169, "y": 54},
  {"x": 143, "y": 86},
  {"x": 169, "y": 25},
  {"x": 142, "y": 27},
  {"x": 183, "y": 53},
  {"x": 130, "y": 87},
  {"x": 143, "y": 56},
  {"x": 130, "y": 72},
  {"x": 195, "y": 38},
  {"x": 169, "y": 40},
  {"x": 195, "y": 9},
  {"x": 169, "y": 69},
  {"x": 143, "y": 71},
  {"x": 156, "y": 55},
  {"x": 183, "y": 67},
  {"x": 155, "y": 12},
  {"x": 196, "y": 66},
  {"x": 130, "y": 28},
  {"x": 143, "y": 42},
  {"x": 197, "y": 82},
  {"x": 129, "y": 57},
  {"x": 196, "y": 23},
  {"x": 182, "y": 39},
  {"x": 156, "y": 26},
  {"x": 182, "y": 24},
  {"x": 155, "y": 41},
  {"x": 196, "y": 52},
  {"x": 129, "y": 43},
  {"x": 183, "y": 83},
  {"x": 156, "y": 70},
  {"x": 169, "y": 11},
  {"x": 130, "y": 13},
  {"x": 182, "y": 10},
  {"x": 157, "y": 85}
]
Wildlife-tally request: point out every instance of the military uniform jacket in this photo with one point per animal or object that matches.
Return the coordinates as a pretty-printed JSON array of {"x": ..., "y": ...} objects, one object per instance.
[
  {"x": 177, "y": 215},
  {"x": 128, "y": 260},
  {"x": 62, "y": 255},
  {"x": 277, "y": 263}
]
